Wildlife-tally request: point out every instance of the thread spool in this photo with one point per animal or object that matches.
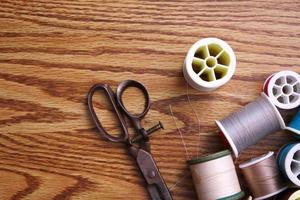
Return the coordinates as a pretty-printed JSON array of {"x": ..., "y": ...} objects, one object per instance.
[
  {"x": 263, "y": 177},
  {"x": 294, "y": 125},
  {"x": 252, "y": 123},
  {"x": 289, "y": 162},
  {"x": 283, "y": 88},
  {"x": 215, "y": 177},
  {"x": 290, "y": 194},
  {"x": 209, "y": 64}
]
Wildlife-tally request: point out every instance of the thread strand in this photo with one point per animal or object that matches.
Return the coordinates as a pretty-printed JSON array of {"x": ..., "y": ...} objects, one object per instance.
[
  {"x": 198, "y": 120},
  {"x": 177, "y": 183},
  {"x": 180, "y": 133}
]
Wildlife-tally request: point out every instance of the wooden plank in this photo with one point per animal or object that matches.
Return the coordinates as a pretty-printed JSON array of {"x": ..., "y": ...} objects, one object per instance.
[{"x": 52, "y": 52}]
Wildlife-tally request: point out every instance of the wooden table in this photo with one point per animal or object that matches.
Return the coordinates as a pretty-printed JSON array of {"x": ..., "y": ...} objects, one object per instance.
[{"x": 52, "y": 52}]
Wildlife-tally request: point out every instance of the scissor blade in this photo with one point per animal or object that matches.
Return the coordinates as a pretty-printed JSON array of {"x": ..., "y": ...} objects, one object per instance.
[
  {"x": 153, "y": 192},
  {"x": 152, "y": 176}
]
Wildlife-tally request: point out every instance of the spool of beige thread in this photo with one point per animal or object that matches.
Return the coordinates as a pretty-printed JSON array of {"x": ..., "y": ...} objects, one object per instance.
[
  {"x": 263, "y": 177},
  {"x": 215, "y": 177}
]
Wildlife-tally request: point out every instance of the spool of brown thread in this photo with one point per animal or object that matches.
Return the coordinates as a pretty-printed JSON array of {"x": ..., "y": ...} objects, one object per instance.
[
  {"x": 215, "y": 177},
  {"x": 263, "y": 177}
]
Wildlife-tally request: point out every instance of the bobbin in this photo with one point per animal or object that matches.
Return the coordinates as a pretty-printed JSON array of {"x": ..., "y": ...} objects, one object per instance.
[
  {"x": 209, "y": 64},
  {"x": 288, "y": 160},
  {"x": 283, "y": 89},
  {"x": 212, "y": 175},
  {"x": 277, "y": 180}
]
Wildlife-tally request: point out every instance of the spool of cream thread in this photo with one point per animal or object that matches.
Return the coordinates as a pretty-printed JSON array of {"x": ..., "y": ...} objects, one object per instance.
[
  {"x": 263, "y": 176},
  {"x": 215, "y": 177}
]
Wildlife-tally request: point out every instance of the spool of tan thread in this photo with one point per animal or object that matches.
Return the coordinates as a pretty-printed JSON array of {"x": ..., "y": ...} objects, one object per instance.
[
  {"x": 215, "y": 177},
  {"x": 263, "y": 177}
]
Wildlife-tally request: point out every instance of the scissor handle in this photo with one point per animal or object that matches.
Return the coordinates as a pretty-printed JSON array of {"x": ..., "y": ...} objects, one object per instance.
[
  {"x": 123, "y": 137},
  {"x": 131, "y": 83}
]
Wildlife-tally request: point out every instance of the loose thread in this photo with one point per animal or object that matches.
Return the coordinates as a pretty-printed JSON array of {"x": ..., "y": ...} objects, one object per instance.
[
  {"x": 199, "y": 124},
  {"x": 180, "y": 133},
  {"x": 178, "y": 182}
]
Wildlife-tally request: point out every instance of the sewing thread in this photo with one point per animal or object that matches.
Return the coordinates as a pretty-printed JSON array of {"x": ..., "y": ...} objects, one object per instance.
[
  {"x": 263, "y": 176},
  {"x": 294, "y": 125},
  {"x": 215, "y": 177},
  {"x": 289, "y": 162},
  {"x": 252, "y": 123}
]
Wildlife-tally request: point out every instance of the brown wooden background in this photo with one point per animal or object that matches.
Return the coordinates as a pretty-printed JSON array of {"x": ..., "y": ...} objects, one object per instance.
[{"x": 52, "y": 52}]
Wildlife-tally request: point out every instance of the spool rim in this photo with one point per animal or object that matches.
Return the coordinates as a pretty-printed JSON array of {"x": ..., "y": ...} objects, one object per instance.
[
  {"x": 279, "y": 117},
  {"x": 189, "y": 80},
  {"x": 193, "y": 79},
  {"x": 228, "y": 138},
  {"x": 271, "y": 84},
  {"x": 292, "y": 130},
  {"x": 256, "y": 160},
  {"x": 236, "y": 196},
  {"x": 266, "y": 84},
  {"x": 280, "y": 150},
  {"x": 271, "y": 194},
  {"x": 288, "y": 163},
  {"x": 209, "y": 157}
]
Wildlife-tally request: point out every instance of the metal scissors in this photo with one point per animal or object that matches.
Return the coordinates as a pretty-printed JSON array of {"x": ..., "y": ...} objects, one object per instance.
[{"x": 138, "y": 146}]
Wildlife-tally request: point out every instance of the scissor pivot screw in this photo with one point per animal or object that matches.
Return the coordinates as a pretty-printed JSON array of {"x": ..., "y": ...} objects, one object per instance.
[
  {"x": 155, "y": 128},
  {"x": 148, "y": 132},
  {"x": 152, "y": 174}
]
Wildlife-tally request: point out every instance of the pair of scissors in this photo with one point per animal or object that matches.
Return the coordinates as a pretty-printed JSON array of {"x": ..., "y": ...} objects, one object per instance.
[{"x": 139, "y": 145}]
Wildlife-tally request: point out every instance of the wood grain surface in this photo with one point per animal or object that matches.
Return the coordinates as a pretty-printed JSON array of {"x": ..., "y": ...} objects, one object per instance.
[{"x": 53, "y": 51}]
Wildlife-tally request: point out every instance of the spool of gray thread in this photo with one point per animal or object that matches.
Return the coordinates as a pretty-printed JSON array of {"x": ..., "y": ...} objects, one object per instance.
[{"x": 252, "y": 123}]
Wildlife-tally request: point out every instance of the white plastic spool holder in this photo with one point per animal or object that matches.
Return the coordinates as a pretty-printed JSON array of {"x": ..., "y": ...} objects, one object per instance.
[
  {"x": 292, "y": 164},
  {"x": 283, "y": 89},
  {"x": 209, "y": 64}
]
